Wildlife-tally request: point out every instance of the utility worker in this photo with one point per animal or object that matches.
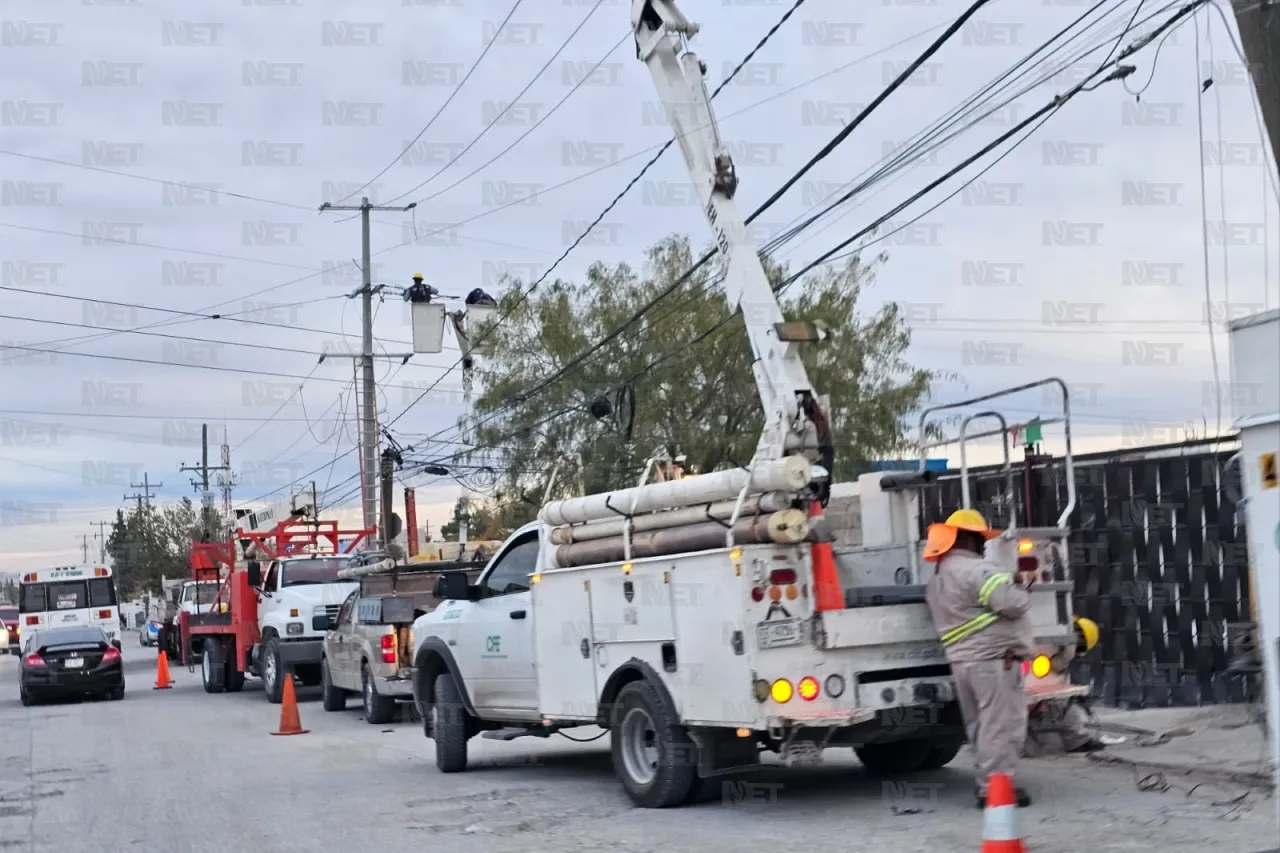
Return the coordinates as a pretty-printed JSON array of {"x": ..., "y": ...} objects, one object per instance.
[
  {"x": 1070, "y": 722},
  {"x": 167, "y": 628},
  {"x": 980, "y": 612}
]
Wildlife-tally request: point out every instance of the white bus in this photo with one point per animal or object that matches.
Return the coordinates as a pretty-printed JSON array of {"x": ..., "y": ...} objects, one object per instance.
[{"x": 68, "y": 595}]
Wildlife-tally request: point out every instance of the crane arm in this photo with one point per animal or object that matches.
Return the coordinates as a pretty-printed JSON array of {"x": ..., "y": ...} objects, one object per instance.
[{"x": 790, "y": 408}]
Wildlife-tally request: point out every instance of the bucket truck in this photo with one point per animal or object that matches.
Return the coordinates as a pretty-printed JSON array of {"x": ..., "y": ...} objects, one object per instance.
[{"x": 701, "y": 619}]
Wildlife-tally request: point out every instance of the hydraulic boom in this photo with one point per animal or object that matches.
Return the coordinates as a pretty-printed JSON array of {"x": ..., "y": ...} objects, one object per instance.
[{"x": 794, "y": 422}]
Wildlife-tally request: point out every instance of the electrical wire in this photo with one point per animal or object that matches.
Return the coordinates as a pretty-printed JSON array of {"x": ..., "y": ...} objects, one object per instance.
[
  {"x": 497, "y": 118},
  {"x": 431, "y": 121}
]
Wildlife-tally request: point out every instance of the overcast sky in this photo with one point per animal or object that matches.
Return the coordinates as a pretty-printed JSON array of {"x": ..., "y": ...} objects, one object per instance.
[{"x": 1079, "y": 255}]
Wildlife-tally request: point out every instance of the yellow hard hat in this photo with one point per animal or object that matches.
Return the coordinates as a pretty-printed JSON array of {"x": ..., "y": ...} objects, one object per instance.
[
  {"x": 1088, "y": 631},
  {"x": 942, "y": 537}
]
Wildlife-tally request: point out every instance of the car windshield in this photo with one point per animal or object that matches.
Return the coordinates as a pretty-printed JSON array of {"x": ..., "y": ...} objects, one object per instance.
[
  {"x": 309, "y": 571},
  {"x": 200, "y": 593},
  {"x": 71, "y": 636}
]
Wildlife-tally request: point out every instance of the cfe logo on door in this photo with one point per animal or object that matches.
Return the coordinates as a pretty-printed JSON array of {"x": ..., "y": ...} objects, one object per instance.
[{"x": 493, "y": 644}]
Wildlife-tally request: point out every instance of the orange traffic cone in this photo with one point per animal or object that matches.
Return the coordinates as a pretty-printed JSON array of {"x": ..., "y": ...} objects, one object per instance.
[
  {"x": 290, "y": 724},
  {"x": 827, "y": 593},
  {"x": 1000, "y": 818},
  {"x": 163, "y": 681}
]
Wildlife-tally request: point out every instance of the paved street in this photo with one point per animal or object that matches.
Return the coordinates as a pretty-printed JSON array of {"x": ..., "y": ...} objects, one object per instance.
[{"x": 180, "y": 770}]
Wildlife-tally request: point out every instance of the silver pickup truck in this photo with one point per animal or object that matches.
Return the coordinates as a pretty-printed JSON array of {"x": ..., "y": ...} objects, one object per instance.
[{"x": 369, "y": 651}]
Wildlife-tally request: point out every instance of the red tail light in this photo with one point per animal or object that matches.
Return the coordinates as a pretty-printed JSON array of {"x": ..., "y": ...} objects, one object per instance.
[
  {"x": 33, "y": 620},
  {"x": 111, "y": 655},
  {"x": 104, "y": 614},
  {"x": 388, "y": 648},
  {"x": 782, "y": 577},
  {"x": 33, "y": 660}
]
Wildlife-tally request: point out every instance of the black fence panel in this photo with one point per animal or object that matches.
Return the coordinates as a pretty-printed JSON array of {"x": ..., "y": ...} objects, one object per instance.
[{"x": 1159, "y": 559}]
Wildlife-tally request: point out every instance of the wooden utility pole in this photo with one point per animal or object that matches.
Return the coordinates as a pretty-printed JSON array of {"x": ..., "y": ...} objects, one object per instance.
[
  {"x": 1259, "y": 25},
  {"x": 101, "y": 536},
  {"x": 207, "y": 516},
  {"x": 84, "y": 547},
  {"x": 146, "y": 487}
]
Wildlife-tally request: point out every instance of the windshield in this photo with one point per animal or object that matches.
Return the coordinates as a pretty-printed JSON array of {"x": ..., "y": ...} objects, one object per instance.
[
  {"x": 200, "y": 593},
  {"x": 318, "y": 570}
]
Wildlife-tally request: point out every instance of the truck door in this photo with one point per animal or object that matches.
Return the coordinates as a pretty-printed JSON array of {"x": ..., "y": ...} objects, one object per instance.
[
  {"x": 497, "y": 637},
  {"x": 341, "y": 646}
]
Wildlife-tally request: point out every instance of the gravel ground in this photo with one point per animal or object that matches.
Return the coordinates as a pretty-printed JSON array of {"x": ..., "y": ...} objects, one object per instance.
[{"x": 180, "y": 770}]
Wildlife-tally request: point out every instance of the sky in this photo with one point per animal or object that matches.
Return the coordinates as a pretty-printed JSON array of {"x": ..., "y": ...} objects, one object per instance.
[{"x": 160, "y": 165}]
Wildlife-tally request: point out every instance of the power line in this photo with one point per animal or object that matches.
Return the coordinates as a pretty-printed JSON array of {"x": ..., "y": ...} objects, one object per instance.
[
  {"x": 494, "y": 121},
  {"x": 456, "y": 89}
]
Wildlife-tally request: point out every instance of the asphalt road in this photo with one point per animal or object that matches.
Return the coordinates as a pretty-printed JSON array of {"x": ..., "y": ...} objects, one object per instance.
[{"x": 178, "y": 770}]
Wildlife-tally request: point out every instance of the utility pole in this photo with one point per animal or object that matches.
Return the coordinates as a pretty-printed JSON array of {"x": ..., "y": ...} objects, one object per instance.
[
  {"x": 226, "y": 479},
  {"x": 146, "y": 487},
  {"x": 369, "y": 417},
  {"x": 101, "y": 536},
  {"x": 84, "y": 546},
  {"x": 202, "y": 485},
  {"x": 1259, "y": 25}
]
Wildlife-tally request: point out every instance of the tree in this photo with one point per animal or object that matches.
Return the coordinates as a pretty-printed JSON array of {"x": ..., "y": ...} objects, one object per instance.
[
  {"x": 698, "y": 400},
  {"x": 491, "y": 520},
  {"x": 148, "y": 543}
]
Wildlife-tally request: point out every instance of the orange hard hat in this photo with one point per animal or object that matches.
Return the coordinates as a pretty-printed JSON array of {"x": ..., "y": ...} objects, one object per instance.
[{"x": 942, "y": 537}]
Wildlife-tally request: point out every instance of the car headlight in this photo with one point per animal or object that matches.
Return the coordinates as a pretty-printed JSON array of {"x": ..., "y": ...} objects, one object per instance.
[{"x": 294, "y": 628}]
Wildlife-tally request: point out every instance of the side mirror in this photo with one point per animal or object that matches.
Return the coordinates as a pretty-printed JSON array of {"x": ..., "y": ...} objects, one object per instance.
[
  {"x": 452, "y": 586},
  {"x": 255, "y": 573}
]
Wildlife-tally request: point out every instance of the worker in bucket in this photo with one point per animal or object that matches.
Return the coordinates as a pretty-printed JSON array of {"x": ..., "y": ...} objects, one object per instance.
[{"x": 980, "y": 611}]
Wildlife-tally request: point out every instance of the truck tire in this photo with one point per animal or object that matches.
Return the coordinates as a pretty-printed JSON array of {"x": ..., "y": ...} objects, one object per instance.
[
  {"x": 273, "y": 673},
  {"x": 896, "y": 757},
  {"x": 942, "y": 752},
  {"x": 449, "y": 725},
  {"x": 213, "y": 671},
  {"x": 652, "y": 752},
  {"x": 234, "y": 678},
  {"x": 378, "y": 710},
  {"x": 332, "y": 698}
]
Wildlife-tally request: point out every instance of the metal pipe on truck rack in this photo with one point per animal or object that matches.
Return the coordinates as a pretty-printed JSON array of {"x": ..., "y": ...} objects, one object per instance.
[
  {"x": 592, "y": 530},
  {"x": 356, "y": 572},
  {"x": 786, "y": 527},
  {"x": 790, "y": 474}
]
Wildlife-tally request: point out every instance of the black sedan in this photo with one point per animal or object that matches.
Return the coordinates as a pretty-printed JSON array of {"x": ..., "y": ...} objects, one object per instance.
[{"x": 65, "y": 662}]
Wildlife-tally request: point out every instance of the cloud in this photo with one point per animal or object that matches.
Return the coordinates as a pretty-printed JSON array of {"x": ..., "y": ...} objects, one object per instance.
[{"x": 1077, "y": 256}]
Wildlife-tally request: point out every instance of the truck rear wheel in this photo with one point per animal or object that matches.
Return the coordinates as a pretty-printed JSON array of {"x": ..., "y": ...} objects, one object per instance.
[
  {"x": 332, "y": 698},
  {"x": 942, "y": 753},
  {"x": 213, "y": 671},
  {"x": 449, "y": 724},
  {"x": 896, "y": 757},
  {"x": 235, "y": 676},
  {"x": 378, "y": 710},
  {"x": 653, "y": 755}
]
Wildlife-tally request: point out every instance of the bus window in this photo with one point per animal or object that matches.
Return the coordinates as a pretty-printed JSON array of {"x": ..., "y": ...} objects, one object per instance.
[
  {"x": 31, "y": 598},
  {"x": 67, "y": 595},
  {"x": 102, "y": 593}
]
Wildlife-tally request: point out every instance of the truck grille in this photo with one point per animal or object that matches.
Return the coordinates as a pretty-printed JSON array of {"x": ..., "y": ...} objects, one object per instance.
[{"x": 331, "y": 611}]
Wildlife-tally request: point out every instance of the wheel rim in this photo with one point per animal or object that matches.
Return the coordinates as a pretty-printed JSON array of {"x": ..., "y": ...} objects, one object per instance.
[
  {"x": 639, "y": 739},
  {"x": 269, "y": 670}
]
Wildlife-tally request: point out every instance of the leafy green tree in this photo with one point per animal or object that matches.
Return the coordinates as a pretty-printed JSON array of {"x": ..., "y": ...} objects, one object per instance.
[
  {"x": 148, "y": 543},
  {"x": 697, "y": 400}
]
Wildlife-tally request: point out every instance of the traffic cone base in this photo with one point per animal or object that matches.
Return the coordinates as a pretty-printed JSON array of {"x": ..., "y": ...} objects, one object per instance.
[
  {"x": 290, "y": 724},
  {"x": 163, "y": 681},
  {"x": 1000, "y": 818}
]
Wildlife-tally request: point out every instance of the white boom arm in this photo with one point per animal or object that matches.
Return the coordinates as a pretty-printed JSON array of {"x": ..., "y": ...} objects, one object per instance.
[{"x": 661, "y": 31}]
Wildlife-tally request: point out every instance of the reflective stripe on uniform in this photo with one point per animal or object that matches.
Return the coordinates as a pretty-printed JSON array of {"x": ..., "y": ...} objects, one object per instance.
[
  {"x": 989, "y": 586},
  {"x": 966, "y": 629}
]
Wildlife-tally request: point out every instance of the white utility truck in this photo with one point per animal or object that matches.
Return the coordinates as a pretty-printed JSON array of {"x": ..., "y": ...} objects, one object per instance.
[{"x": 702, "y": 619}]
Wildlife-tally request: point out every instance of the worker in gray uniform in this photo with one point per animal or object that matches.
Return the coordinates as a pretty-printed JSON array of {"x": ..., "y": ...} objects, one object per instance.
[{"x": 980, "y": 612}]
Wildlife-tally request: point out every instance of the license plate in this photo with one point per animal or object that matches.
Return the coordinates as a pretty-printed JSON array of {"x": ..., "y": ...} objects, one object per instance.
[
  {"x": 801, "y": 753},
  {"x": 784, "y": 632},
  {"x": 74, "y": 663}
]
